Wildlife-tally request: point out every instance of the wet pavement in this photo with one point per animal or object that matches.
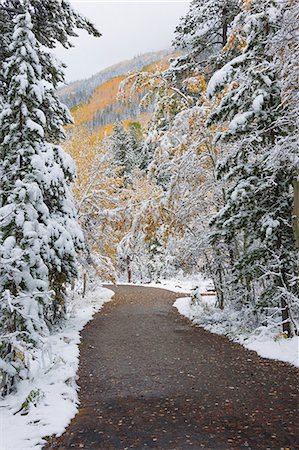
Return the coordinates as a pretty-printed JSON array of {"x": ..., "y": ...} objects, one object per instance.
[{"x": 150, "y": 380}]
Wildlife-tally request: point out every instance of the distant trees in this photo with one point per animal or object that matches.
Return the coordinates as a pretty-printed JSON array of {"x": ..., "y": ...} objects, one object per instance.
[
  {"x": 78, "y": 92},
  {"x": 128, "y": 150},
  {"x": 109, "y": 189},
  {"x": 97, "y": 191},
  {"x": 39, "y": 233}
]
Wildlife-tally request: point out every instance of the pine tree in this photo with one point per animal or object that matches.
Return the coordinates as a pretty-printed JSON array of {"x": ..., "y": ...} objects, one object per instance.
[
  {"x": 285, "y": 52},
  {"x": 202, "y": 34},
  {"x": 136, "y": 157},
  {"x": 258, "y": 211},
  {"x": 24, "y": 249},
  {"x": 39, "y": 233},
  {"x": 120, "y": 146},
  {"x": 127, "y": 149}
]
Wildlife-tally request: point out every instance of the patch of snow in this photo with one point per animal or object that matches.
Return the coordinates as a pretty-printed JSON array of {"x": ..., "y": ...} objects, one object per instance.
[
  {"x": 54, "y": 383},
  {"x": 223, "y": 75},
  {"x": 184, "y": 307},
  {"x": 33, "y": 126},
  {"x": 273, "y": 14},
  {"x": 266, "y": 345},
  {"x": 39, "y": 90},
  {"x": 41, "y": 116},
  {"x": 258, "y": 102},
  {"x": 239, "y": 121},
  {"x": 283, "y": 349}
]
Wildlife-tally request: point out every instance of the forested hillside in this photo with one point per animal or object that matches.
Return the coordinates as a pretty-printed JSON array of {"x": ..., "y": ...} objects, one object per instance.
[
  {"x": 81, "y": 91},
  {"x": 104, "y": 106}
]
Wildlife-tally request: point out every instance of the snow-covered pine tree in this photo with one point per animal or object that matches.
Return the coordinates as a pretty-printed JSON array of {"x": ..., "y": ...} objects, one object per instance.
[
  {"x": 258, "y": 211},
  {"x": 127, "y": 149},
  {"x": 285, "y": 49},
  {"x": 136, "y": 157},
  {"x": 39, "y": 233},
  {"x": 53, "y": 21},
  {"x": 120, "y": 147},
  {"x": 24, "y": 249},
  {"x": 201, "y": 34}
]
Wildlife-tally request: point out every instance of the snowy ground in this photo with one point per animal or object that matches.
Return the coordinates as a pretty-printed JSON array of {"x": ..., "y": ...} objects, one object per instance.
[
  {"x": 183, "y": 284},
  {"x": 272, "y": 345},
  {"x": 54, "y": 383}
]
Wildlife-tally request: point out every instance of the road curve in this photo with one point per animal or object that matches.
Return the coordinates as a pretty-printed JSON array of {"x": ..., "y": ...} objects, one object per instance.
[{"x": 149, "y": 380}]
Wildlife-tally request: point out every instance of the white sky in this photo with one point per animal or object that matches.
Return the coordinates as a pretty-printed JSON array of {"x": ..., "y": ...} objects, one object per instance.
[{"x": 129, "y": 28}]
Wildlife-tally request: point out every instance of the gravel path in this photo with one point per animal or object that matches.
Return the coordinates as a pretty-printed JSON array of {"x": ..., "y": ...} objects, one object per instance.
[{"x": 149, "y": 380}]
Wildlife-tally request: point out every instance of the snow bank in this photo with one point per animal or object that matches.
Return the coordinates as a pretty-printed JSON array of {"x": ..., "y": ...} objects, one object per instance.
[
  {"x": 261, "y": 341},
  {"x": 54, "y": 388},
  {"x": 183, "y": 285},
  {"x": 286, "y": 350}
]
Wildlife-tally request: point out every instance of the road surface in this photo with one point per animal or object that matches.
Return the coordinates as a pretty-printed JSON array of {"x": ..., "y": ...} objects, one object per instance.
[{"x": 149, "y": 380}]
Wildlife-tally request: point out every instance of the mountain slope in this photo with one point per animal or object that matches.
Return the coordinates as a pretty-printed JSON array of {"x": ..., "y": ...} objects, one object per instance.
[
  {"x": 80, "y": 91},
  {"x": 102, "y": 108}
]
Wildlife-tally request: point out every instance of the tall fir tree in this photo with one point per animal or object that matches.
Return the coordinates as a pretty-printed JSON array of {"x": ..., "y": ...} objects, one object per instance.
[
  {"x": 24, "y": 289},
  {"x": 120, "y": 146},
  {"x": 127, "y": 149},
  {"x": 39, "y": 233},
  {"x": 201, "y": 34}
]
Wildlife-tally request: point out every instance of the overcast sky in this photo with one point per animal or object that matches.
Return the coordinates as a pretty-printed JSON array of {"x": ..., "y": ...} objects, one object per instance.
[{"x": 129, "y": 28}]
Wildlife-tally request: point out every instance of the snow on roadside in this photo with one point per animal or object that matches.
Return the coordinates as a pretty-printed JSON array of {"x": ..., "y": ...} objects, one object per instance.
[
  {"x": 266, "y": 344},
  {"x": 181, "y": 284},
  {"x": 54, "y": 384},
  {"x": 261, "y": 341}
]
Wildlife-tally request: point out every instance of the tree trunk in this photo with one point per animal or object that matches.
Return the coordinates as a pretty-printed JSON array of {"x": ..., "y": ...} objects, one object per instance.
[
  {"x": 296, "y": 212},
  {"x": 286, "y": 321},
  {"x": 224, "y": 27},
  {"x": 219, "y": 287},
  {"x": 84, "y": 284},
  {"x": 129, "y": 269}
]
